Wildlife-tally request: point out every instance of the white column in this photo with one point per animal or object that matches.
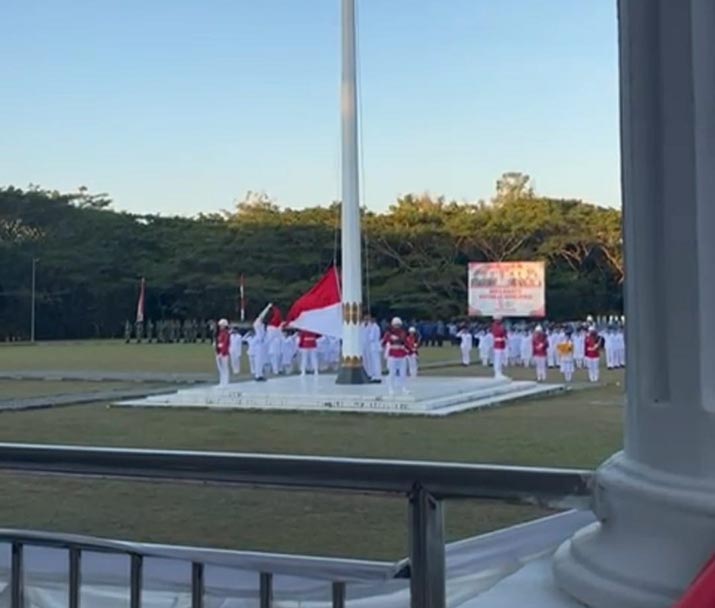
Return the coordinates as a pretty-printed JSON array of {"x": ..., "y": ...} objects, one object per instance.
[
  {"x": 351, "y": 368},
  {"x": 656, "y": 500}
]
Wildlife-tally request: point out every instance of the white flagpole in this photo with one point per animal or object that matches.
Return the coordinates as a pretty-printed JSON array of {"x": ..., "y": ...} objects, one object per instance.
[{"x": 351, "y": 368}]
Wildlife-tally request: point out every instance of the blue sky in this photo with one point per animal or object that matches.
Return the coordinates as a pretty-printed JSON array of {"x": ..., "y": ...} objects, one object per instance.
[{"x": 181, "y": 106}]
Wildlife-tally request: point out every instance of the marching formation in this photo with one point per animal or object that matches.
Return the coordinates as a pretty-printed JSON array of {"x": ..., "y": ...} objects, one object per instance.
[{"x": 274, "y": 348}]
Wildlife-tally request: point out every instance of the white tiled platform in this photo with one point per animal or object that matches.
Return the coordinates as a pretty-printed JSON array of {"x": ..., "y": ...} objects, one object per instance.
[{"x": 427, "y": 396}]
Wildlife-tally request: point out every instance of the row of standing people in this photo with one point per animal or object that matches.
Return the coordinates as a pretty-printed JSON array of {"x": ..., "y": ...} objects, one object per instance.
[
  {"x": 169, "y": 331},
  {"x": 564, "y": 348},
  {"x": 273, "y": 349}
]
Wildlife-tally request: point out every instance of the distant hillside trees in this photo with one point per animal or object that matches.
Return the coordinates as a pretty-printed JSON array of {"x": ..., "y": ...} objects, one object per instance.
[{"x": 91, "y": 257}]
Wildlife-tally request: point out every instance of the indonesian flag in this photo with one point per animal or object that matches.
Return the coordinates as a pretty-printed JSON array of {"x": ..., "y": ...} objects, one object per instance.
[
  {"x": 320, "y": 310},
  {"x": 140, "y": 303}
]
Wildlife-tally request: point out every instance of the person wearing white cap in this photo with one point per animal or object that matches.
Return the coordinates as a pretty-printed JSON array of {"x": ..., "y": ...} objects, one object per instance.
[
  {"x": 222, "y": 346},
  {"x": 395, "y": 343}
]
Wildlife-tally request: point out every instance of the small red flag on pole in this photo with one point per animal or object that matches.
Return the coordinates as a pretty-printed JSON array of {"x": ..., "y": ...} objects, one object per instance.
[
  {"x": 140, "y": 303},
  {"x": 242, "y": 295}
]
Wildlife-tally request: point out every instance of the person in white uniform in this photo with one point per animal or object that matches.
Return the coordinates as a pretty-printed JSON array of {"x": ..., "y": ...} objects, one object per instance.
[
  {"x": 235, "y": 350},
  {"x": 526, "y": 348},
  {"x": 565, "y": 348},
  {"x": 465, "y": 344},
  {"x": 485, "y": 347},
  {"x": 289, "y": 348},
  {"x": 259, "y": 345},
  {"x": 579, "y": 347}
]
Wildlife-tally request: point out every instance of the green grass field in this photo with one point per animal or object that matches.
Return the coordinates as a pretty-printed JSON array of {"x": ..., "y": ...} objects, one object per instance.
[
  {"x": 13, "y": 389},
  {"x": 579, "y": 428},
  {"x": 118, "y": 356}
]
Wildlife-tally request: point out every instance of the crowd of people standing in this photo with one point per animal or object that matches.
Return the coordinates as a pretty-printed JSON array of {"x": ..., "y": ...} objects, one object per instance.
[{"x": 273, "y": 349}]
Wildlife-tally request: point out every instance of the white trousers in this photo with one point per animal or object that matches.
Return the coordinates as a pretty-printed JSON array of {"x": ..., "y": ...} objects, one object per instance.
[
  {"x": 372, "y": 364},
  {"x": 466, "y": 355},
  {"x": 275, "y": 363},
  {"x": 594, "y": 368},
  {"x": 540, "y": 363},
  {"x": 396, "y": 372},
  {"x": 412, "y": 366},
  {"x": 309, "y": 359},
  {"x": 236, "y": 363},
  {"x": 567, "y": 368},
  {"x": 258, "y": 364},
  {"x": 224, "y": 373},
  {"x": 499, "y": 357}
]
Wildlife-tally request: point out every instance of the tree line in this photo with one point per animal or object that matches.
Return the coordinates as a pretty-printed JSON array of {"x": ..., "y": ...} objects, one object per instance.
[{"x": 90, "y": 258}]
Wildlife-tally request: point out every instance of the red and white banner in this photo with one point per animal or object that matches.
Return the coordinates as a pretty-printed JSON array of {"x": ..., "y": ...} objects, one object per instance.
[
  {"x": 507, "y": 289},
  {"x": 140, "y": 303},
  {"x": 320, "y": 310}
]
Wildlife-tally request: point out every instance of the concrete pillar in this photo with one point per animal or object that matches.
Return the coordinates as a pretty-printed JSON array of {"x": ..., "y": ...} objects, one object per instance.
[
  {"x": 656, "y": 499},
  {"x": 351, "y": 368}
]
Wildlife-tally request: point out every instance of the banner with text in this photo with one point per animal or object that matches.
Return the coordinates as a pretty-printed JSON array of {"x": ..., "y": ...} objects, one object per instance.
[{"x": 507, "y": 289}]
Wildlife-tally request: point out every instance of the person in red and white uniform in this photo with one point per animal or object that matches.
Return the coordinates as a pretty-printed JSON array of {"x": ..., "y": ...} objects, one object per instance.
[
  {"x": 540, "y": 350},
  {"x": 308, "y": 347},
  {"x": 395, "y": 343},
  {"x": 222, "y": 345},
  {"x": 593, "y": 354},
  {"x": 413, "y": 351},
  {"x": 499, "y": 335}
]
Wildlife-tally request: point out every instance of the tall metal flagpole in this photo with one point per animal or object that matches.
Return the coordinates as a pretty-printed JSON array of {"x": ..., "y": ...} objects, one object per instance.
[{"x": 351, "y": 368}]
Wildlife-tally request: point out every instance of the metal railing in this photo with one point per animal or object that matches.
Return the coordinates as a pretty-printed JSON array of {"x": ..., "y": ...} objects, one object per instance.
[{"x": 425, "y": 484}]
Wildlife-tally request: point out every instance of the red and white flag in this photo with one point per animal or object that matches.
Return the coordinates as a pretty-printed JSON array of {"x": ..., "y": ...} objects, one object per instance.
[
  {"x": 320, "y": 310},
  {"x": 140, "y": 303}
]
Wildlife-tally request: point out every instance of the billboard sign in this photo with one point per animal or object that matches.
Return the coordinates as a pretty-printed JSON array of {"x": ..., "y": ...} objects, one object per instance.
[{"x": 507, "y": 289}]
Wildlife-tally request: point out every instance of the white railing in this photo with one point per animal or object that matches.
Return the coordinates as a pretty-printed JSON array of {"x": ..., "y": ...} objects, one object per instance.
[{"x": 424, "y": 484}]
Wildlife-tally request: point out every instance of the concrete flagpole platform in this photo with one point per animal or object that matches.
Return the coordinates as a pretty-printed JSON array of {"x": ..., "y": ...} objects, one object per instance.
[{"x": 426, "y": 396}]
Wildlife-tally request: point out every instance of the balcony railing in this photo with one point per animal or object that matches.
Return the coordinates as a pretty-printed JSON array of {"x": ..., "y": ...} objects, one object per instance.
[{"x": 424, "y": 484}]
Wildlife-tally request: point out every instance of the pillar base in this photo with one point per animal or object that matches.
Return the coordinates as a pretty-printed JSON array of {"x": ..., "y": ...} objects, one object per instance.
[
  {"x": 352, "y": 375},
  {"x": 655, "y": 532}
]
